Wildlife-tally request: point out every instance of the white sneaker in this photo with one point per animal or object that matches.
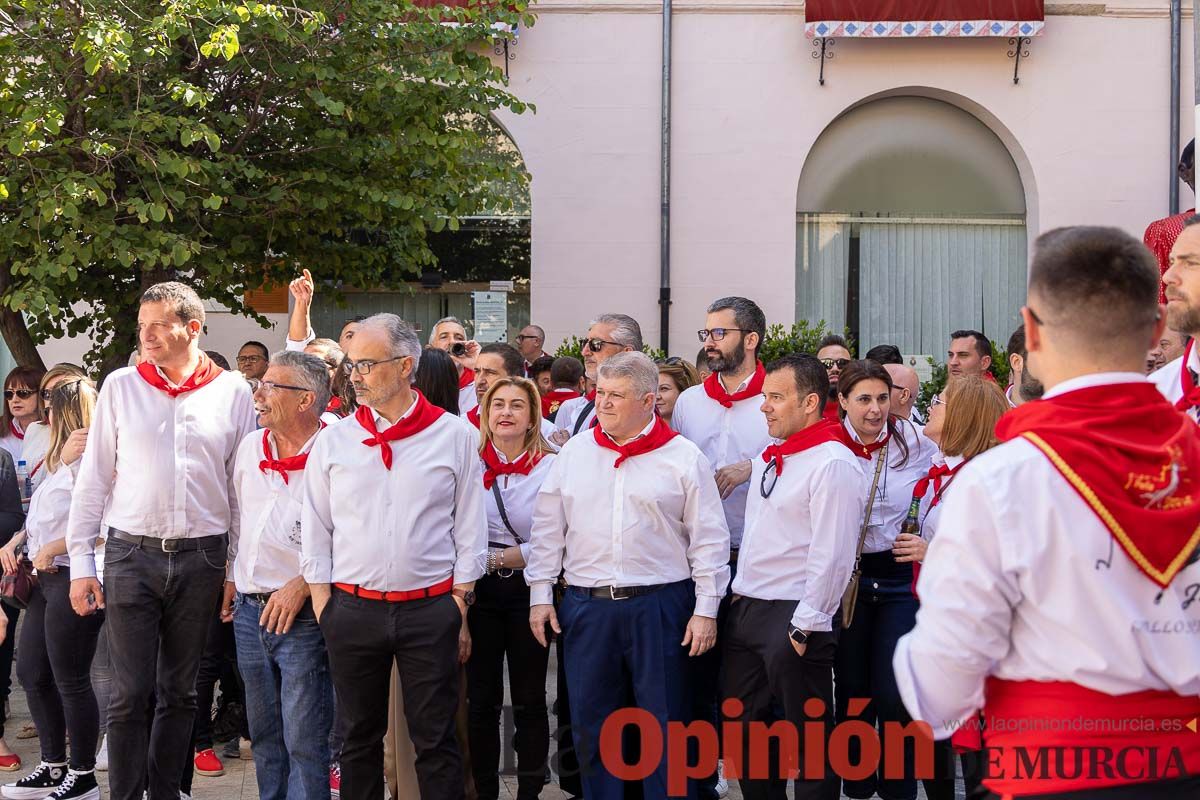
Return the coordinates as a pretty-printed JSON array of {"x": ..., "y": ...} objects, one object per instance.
[
  {"x": 722, "y": 784},
  {"x": 102, "y": 756}
]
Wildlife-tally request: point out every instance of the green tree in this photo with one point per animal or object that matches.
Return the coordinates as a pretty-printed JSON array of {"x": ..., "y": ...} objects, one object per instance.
[{"x": 227, "y": 143}]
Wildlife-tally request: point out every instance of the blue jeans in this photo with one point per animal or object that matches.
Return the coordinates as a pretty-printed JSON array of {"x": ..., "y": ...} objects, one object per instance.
[{"x": 289, "y": 702}]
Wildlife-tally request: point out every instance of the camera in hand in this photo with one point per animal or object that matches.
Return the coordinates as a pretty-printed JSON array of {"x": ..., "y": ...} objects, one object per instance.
[{"x": 458, "y": 349}]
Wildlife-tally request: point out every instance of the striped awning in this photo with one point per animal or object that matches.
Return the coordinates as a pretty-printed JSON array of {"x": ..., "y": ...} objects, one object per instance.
[{"x": 885, "y": 19}]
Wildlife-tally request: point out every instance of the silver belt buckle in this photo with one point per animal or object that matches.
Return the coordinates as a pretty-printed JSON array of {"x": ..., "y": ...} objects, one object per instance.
[
  {"x": 170, "y": 545},
  {"x": 612, "y": 593}
]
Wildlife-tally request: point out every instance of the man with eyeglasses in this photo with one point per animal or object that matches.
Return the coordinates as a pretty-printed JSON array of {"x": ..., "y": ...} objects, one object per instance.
[
  {"x": 392, "y": 523},
  {"x": 834, "y": 355},
  {"x": 530, "y": 341},
  {"x": 607, "y": 335},
  {"x": 802, "y": 520},
  {"x": 280, "y": 651},
  {"x": 157, "y": 469},
  {"x": 252, "y": 360}
]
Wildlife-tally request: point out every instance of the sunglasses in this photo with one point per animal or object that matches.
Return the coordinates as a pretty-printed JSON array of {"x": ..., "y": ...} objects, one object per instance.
[
  {"x": 596, "y": 345},
  {"x": 24, "y": 394},
  {"x": 830, "y": 363},
  {"x": 771, "y": 472}
]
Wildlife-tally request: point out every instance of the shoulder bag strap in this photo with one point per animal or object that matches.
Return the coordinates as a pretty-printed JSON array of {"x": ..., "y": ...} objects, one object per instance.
[
  {"x": 862, "y": 534},
  {"x": 504, "y": 513},
  {"x": 587, "y": 409}
]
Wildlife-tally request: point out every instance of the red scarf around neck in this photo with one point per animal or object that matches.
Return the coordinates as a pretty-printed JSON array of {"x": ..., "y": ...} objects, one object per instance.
[
  {"x": 831, "y": 411},
  {"x": 813, "y": 435},
  {"x": 494, "y": 467},
  {"x": 335, "y": 406},
  {"x": 17, "y": 432},
  {"x": 660, "y": 433},
  {"x": 424, "y": 415},
  {"x": 552, "y": 400},
  {"x": 467, "y": 378},
  {"x": 858, "y": 448},
  {"x": 206, "y": 372},
  {"x": 281, "y": 465},
  {"x": 716, "y": 390},
  {"x": 1191, "y": 393},
  {"x": 473, "y": 416},
  {"x": 1132, "y": 458},
  {"x": 939, "y": 476}
]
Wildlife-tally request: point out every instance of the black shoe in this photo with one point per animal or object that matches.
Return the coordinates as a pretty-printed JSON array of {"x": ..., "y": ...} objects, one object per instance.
[
  {"x": 232, "y": 749},
  {"x": 38, "y": 784},
  {"x": 78, "y": 786}
]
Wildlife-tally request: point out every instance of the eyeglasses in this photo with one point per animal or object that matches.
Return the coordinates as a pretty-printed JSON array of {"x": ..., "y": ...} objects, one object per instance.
[
  {"x": 248, "y": 359},
  {"x": 523, "y": 336},
  {"x": 270, "y": 386},
  {"x": 365, "y": 366},
  {"x": 596, "y": 345},
  {"x": 24, "y": 394},
  {"x": 937, "y": 401},
  {"x": 830, "y": 363},
  {"x": 717, "y": 334},
  {"x": 772, "y": 471}
]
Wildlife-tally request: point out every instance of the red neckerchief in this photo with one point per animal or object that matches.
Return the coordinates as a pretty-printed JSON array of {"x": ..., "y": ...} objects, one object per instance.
[
  {"x": 935, "y": 476},
  {"x": 494, "y": 467},
  {"x": 1133, "y": 459},
  {"x": 813, "y": 435},
  {"x": 858, "y": 448},
  {"x": 590, "y": 396},
  {"x": 1191, "y": 393},
  {"x": 281, "y": 465},
  {"x": 467, "y": 378},
  {"x": 716, "y": 390},
  {"x": 36, "y": 467},
  {"x": 831, "y": 411},
  {"x": 473, "y": 416},
  {"x": 660, "y": 433},
  {"x": 17, "y": 432},
  {"x": 335, "y": 406},
  {"x": 424, "y": 415},
  {"x": 206, "y": 372},
  {"x": 552, "y": 400}
]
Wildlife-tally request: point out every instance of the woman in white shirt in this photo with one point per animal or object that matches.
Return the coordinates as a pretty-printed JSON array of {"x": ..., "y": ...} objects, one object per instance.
[
  {"x": 22, "y": 408},
  {"x": 886, "y": 608},
  {"x": 57, "y": 645},
  {"x": 516, "y": 458},
  {"x": 37, "y": 435}
]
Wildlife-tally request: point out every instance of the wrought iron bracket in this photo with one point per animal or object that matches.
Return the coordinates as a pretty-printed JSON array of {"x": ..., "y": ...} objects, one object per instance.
[
  {"x": 507, "y": 48},
  {"x": 1020, "y": 49},
  {"x": 822, "y": 51}
]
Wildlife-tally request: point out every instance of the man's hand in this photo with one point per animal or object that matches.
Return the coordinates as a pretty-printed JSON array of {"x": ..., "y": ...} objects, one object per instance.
[
  {"x": 539, "y": 616},
  {"x": 227, "y": 601},
  {"x": 799, "y": 648},
  {"x": 43, "y": 562},
  {"x": 560, "y": 437},
  {"x": 464, "y": 642},
  {"x": 909, "y": 547},
  {"x": 281, "y": 609},
  {"x": 701, "y": 634},
  {"x": 732, "y": 476},
  {"x": 87, "y": 597},
  {"x": 302, "y": 288},
  {"x": 73, "y": 447}
]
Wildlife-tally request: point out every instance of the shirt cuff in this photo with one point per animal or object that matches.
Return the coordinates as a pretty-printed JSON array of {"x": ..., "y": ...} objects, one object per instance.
[
  {"x": 707, "y": 605},
  {"x": 541, "y": 594},
  {"x": 807, "y": 618},
  {"x": 293, "y": 345},
  {"x": 83, "y": 566},
  {"x": 525, "y": 548},
  {"x": 317, "y": 570},
  {"x": 467, "y": 570}
]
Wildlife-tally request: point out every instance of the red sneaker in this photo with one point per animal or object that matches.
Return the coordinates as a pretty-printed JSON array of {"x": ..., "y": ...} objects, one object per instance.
[
  {"x": 208, "y": 764},
  {"x": 10, "y": 763},
  {"x": 335, "y": 780}
]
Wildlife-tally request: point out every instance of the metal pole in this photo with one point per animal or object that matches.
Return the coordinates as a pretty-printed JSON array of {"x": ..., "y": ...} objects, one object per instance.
[
  {"x": 664, "y": 288},
  {"x": 1176, "y": 34}
]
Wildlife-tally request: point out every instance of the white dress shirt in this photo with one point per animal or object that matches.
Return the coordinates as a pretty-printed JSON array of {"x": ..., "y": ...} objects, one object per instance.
[
  {"x": 1169, "y": 379},
  {"x": 264, "y": 543},
  {"x": 409, "y": 527},
  {"x": 725, "y": 436},
  {"x": 519, "y": 493},
  {"x": 166, "y": 463},
  {"x": 36, "y": 445},
  {"x": 49, "y": 509},
  {"x": 467, "y": 399},
  {"x": 799, "y": 542},
  {"x": 1025, "y": 583},
  {"x": 569, "y": 412},
  {"x": 17, "y": 445},
  {"x": 655, "y": 519},
  {"x": 931, "y": 514},
  {"x": 896, "y": 481}
]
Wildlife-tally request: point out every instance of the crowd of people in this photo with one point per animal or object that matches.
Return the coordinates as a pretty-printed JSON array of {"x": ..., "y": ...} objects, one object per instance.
[{"x": 377, "y": 528}]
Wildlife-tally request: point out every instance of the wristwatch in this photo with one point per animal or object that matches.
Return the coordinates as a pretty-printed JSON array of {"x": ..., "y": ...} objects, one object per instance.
[
  {"x": 796, "y": 635},
  {"x": 466, "y": 595}
]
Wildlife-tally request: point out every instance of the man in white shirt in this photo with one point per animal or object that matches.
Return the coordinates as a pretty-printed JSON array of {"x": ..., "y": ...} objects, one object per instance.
[
  {"x": 802, "y": 522},
  {"x": 157, "y": 468},
  {"x": 498, "y": 360},
  {"x": 1179, "y": 378},
  {"x": 608, "y": 334},
  {"x": 280, "y": 650},
  {"x": 392, "y": 526},
  {"x": 1058, "y": 595},
  {"x": 645, "y": 565},
  {"x": 450, "y": 335}
]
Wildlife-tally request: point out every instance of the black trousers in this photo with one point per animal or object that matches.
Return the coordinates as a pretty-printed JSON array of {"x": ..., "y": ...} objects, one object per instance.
[
  {"x": 364, "y": 638},
  {"x": 499, "y": 623},
  {"x": 763, "y": 671},
  {"x": 1176, "y": 789},
  {"x": 158, "y": 610},
  {"x": 6, "y": 661},
  {"x": 54, "y": 666}
]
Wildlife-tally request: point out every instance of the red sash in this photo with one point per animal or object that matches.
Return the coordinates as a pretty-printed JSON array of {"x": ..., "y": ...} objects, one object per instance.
[
  {"x": 659, "y": 435},
  {"x": 473, "y": 416},
  {"x": 1133, "y": 459},
  {"x": 494, "y": 467},
  {"x": 424, "y": 415},
  {"x": 552, "y": 400},
  {"x": 716, "y": 390},
  {"x": 813, "y": 435},
  {"x": 281, "y": 465},
  {"x": 466, "y": 379},
  {"x": 1041, "y": 734},
  {"x": 205, "y": 373},
  {"x": 1191, "y": 393},
  {"x": 17, "y": 432}
]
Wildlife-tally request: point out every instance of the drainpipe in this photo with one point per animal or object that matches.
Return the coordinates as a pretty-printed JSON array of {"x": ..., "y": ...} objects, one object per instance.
[
  {"x": 1196, "y": 62},
  {"x": 1176, "y": 35},
  {"x": 664, "y": 286}
]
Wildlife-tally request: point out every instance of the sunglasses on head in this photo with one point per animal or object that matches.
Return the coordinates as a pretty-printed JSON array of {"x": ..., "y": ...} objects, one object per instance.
[
  {"x": 830, "y": 363},
  {"x": 24, "y": 394},
  {"x": 596, "y": 345}
]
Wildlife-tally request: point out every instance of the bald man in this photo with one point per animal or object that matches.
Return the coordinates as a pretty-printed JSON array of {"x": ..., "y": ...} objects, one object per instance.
[{"x": 905, "y": 388}]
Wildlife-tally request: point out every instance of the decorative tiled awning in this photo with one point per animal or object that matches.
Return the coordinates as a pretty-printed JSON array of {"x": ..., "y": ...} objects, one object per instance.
[{"x": 882, "y": 19}]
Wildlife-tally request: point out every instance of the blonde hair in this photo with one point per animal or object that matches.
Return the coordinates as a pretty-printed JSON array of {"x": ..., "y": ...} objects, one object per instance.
[
  {"x": 71, "y": 406},
  {"x": 973, "y": 407},
  {"x": 535, "y": 443}
]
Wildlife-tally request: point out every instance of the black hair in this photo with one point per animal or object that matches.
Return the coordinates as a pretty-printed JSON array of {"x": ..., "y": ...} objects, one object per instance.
[
  {"x": 885, "y": 354},
  {"x": 514, "y": 364},
  {"x": 266, "y": 353},
  {"x": 541, "y": 364},
  {"x": 219, "y": 359},
  {"x": 746, "y": 315},
  {"x": 1188, "y": 157},
  {"x": 831, "y": 340},
  {"x": 810, "y": 374},
  {"x": 437, "y": 379},
  {"x": 983, "y": 345},
  {"x": 566, "y": 372},
  {"x": 1016, "y": 342},
  {"x": 858, "y": 371}
]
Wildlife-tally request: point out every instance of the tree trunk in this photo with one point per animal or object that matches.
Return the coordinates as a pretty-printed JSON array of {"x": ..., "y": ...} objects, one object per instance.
[{"x": 19, "y": 341}]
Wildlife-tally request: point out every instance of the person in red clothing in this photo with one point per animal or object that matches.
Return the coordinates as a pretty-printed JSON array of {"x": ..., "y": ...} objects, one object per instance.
[{"x": 1160, "y": 234}]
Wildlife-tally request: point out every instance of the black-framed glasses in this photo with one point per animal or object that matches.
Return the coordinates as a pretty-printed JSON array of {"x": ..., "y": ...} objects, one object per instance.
[
  {"x": 840, "y": 363},
  {"x": 270, "y": 386},
  {"x": 365, "y": 366},
  {"x": 772, "y": 471},
  {"x": 248, "y": 359},
  {"x": 523, "y": 336},
  {"x": 717, "y": 334},
  {"x": 596, "y": 345},
  {"x": 24, "y": 394}
]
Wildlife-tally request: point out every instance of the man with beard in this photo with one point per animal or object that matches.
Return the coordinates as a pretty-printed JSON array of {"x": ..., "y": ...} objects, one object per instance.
[
  {"x": 1177, "y": 380},
  {"x": 1022, "y": 387},
  {"x": 834, "y": 354}
]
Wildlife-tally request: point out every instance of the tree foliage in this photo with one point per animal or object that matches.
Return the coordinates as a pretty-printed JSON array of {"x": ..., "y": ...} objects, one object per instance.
[{"x": 226, "y": 143}]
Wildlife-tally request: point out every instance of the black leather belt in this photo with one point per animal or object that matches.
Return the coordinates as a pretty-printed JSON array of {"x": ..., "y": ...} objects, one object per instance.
[
  {"x": 623, "y": 592},
  {"x": 170, "y": 545},
  {"x": 261, "y": 599}
]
